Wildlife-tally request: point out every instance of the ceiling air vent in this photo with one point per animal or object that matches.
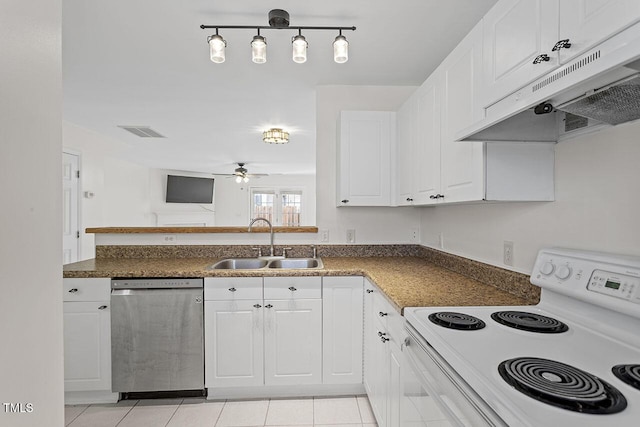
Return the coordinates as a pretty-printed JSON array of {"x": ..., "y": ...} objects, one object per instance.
[{"x": 142, "y": 131}]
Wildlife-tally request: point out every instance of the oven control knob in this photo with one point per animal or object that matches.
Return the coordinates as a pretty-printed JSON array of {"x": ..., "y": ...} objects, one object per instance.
[
  {"x": 564, "y": 271},
  {"x": 547, "y": 268}
]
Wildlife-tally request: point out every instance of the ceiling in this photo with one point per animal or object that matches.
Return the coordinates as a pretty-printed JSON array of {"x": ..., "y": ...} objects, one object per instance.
[{"x": 146, "y": 63}]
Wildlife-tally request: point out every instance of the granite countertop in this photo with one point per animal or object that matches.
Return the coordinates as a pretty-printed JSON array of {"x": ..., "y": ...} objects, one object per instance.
[{"x": 406, "y": 281}]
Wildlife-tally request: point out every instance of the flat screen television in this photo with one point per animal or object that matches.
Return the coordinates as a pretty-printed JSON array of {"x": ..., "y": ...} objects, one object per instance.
[{"x": 188, "y": 189}]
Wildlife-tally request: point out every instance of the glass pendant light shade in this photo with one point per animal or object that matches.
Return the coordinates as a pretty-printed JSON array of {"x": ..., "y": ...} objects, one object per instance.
[
  {"x": 340, "y": 49},
  {"x": 238, "y": 179},
  {"x": 259, "y": 49},
  {"x": 216, "y": 48},
  {"x": 299, "y": 49},
  {"x": 245, "y": 179}
]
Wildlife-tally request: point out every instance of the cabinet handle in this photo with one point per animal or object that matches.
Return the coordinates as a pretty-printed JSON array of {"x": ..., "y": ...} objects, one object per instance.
[
  {"x": 541, "y": 58},
  {"x": 73, "y": 291},
  {"x": 102, "y": 307},
  {"x": 409, "y": 199},
  {"x": 561, "y": 44},
  {"x": 345, "y": 201},
  {"x": 257, "y": 305},
  {"x": 369, "y": 291},
  {"x": 383, "y": 339},
  {"x": 232, "y": 289},
  {"x": 381, "y": 314},
  {"x": 433, "y": 196},
  {"x": 268, "y": 306},
  {"x": 292, "y": 289},
  {"x": 381, "y": 334}
]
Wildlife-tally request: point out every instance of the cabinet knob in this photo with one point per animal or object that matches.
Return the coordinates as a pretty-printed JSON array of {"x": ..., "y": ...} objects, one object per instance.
[
  {"x": 232, "y": 289},
  {"x": 383, "y": 339},
  {"x": 381, "y": 334},
  {"x": 102, "y": 307},
  {"x": 73, "y": 291},
  {"x": 369, "y": 291},
  {"x": 257, "y": 305},
  {"x": 541, "y": 58},
  {"x": 268, "y": 306},
  {"x": 292, "y": 289},
  {"x": 409, "y": 199},
  {"x": 433, "y": 196},
  {"x": 382, "y": 314},
  {"x": 345, "y": 201},
  {"x": 561, "y": 44}
]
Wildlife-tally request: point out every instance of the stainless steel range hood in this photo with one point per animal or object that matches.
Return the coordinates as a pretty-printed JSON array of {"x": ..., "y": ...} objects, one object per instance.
[{"x": 597, "y": 89}]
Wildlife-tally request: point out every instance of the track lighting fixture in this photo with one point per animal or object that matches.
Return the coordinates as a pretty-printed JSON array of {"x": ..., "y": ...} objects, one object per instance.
[{"x": 278, "y": 20}]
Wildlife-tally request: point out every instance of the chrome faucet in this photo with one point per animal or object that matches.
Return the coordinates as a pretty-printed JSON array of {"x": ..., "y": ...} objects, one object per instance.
[{"x": 271, "y": 252}]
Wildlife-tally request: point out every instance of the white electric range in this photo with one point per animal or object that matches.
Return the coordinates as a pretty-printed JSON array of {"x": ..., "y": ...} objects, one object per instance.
[{"x": 571, "y": 360}]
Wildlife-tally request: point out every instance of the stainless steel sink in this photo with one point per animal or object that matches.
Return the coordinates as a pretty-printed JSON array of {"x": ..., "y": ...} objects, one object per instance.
[
  {"x": 258, "y": 263},
  {"x": 296, "y": 263},
  {"x": 240, "y": 264}
]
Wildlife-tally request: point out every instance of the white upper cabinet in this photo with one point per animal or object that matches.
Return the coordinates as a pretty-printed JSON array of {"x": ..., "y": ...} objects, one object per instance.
[
  {"x": 462, "y": 168},
  {"x": 405, "y": 141},
  {"x": 426, "y": 157},
  {"x": 516, "y": 32},
  {"x": 586, "y": 22},
  {"x": 366, "y": 148}
]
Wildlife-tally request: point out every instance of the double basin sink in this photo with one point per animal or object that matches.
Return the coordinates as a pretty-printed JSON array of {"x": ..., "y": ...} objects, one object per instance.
[{"x": 258, "y": 263}]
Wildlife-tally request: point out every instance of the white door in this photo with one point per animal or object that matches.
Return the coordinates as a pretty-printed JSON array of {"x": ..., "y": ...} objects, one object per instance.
[
  {"x": 379, "y": 383},
  {"x": 233, "y": 343},
  {"x": 426, "y": 164},
  {"x": 87, "y": 346},
  {"x": 342, "y": 330},
  {"x": 462, "y": 163},
  {"x": 405, "y": 130},
  {"x": 293, "y": 342},
  {"x": 587, "y": 22},
  {"x": 70, "y": 225},
  {"x": 368, "y": 337},
  {"x": 395, "y": 385},
  {"x": 515, "y": 33}
]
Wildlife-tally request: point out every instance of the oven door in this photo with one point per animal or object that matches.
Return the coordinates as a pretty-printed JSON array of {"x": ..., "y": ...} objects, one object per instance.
[{"x": 435, "y": 395}]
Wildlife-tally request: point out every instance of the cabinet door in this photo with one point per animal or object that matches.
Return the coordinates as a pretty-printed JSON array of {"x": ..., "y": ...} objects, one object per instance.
[
  {"x": 364, "y": 158},
  {"x": 342, "y": 330},
  {"x": 515, "y": 33},
  {"x": 87, "y": 346},
  {"x": 233, "y": 343},
  {"x": 588, "y": 22},
  {"x": 368, "y": 341},
  {"x": 426, "y": 166},
  {"x": 379, "y": 382},
  {"x": 293, "y": 342},
  {"x": 462, "y": 163},
  {"x": 405, "y": 131},
  {"x": 395, "y": 385}
]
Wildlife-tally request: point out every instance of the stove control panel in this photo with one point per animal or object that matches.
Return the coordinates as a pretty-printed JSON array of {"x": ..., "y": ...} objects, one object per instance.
[{"x": 616, "y": 285}]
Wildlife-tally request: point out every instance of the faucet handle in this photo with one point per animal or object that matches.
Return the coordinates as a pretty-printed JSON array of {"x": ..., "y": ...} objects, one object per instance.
[
  {"x": 284, "y": 251},
  {"x": 259, "y": 249},
  {"x": 315, "y": 251}
]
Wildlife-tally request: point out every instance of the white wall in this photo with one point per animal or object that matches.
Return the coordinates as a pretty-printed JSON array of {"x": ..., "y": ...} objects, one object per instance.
[
  {"x": 372, "y": 225},
  {"x": 31, "y": 363},
  {"x": 597, "y": 207}
]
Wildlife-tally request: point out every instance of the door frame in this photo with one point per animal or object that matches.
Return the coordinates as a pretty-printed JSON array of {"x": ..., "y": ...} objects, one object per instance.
[{"x": 78, "y": 154}]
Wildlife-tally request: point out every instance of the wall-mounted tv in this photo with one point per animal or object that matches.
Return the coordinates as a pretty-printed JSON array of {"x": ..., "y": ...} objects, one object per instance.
[{"x": 188, "y": 189}]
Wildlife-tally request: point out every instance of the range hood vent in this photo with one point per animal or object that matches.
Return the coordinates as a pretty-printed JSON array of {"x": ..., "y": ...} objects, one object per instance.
[
  {"x": 142, "y": 131},
  {"x": 566, "y": 71}
]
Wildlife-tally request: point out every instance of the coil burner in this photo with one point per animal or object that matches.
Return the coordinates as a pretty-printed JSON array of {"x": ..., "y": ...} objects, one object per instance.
[
  {"x": 530, "y": 322},
  {"x": 453, "y": 320},
  {"x": 630, "y": 374},
  {"x": 562, "y": 385}
]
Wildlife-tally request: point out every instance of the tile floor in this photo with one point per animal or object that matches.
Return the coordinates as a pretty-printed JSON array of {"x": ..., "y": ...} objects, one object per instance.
[{"x": 351, "y": 411}]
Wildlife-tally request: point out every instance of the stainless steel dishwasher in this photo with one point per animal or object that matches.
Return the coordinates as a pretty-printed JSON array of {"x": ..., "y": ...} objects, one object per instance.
[{"x": 157, "y": 335}]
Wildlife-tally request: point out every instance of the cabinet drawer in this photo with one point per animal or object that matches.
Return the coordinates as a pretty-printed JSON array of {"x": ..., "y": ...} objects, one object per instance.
[
  {"x": 230, "y": 288},
  {"x": 292, "y": 287},
  {"x": 76, "y": 289},
  {"x": 383, "y": 310}
]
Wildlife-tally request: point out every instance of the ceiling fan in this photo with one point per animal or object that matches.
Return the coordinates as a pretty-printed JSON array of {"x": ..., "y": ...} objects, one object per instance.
[{"x": 241, "y": 174}]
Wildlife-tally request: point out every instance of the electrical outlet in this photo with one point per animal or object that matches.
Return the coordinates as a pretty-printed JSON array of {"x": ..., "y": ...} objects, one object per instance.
[
  {"x": 169, "y": 238},
  {"x": 324, "y": 235},
  {"x": 441, "y": 240},
  {"x": 351, "y": 236},
  {"x": 508, "y": 253},
  {"x": 414, "y": 236}
]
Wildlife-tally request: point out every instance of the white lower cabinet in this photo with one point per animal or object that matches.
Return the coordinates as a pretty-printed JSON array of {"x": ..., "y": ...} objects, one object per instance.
[
  {"x": 342, "y": 330},
  {"x": 383, "y": 359},
  {"x": 87, "y": 341}
]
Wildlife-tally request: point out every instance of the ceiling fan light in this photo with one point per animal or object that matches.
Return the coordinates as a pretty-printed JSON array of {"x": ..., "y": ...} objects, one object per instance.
[
  {"x": 299, "y": 49},
  {"x": 245, "y": 179},
  {"x": 238, "y": 179},
  {"x": 217, "y": 47},
  {"x": 340, "y": 49},
  {"x": 275, "y": 136},
  {"x": 259, "y": 49}
]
